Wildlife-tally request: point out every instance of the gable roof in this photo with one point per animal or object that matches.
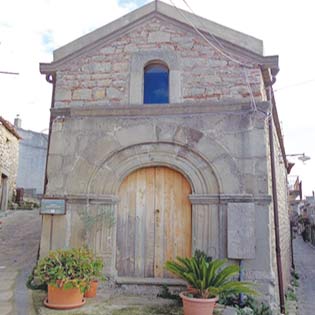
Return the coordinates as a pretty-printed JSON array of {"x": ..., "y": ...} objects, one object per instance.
[
  {"x": 240, "y": 39},
  {"x": 237, "y": 41},
  {"x": 9, "y": 127}
]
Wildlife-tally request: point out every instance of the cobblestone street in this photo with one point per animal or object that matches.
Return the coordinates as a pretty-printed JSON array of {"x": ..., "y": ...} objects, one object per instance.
[
  {"x": 304, "y": 256},
  {"x": 19, "y": 239}
]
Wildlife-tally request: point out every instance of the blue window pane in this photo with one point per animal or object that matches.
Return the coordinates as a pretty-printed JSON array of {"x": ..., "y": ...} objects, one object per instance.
[{"x": 156, "y": 85}]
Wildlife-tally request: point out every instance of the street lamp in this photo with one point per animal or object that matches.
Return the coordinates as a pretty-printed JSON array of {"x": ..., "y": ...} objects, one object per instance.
[{"x": 301, "y": 156}]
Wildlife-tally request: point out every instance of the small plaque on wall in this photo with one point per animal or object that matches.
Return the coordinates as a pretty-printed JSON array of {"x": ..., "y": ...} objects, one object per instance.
[
  {"x": 241, "y": 224},
  {"x": 53, "y": 206}
]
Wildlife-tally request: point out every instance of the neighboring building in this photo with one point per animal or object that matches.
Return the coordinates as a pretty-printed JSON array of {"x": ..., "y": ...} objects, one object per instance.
[
  {"x": 151, "y": 121},
  {"x": 295, "y": 195},
  {"x": 32, "y": 160},
  {"x": 309, "y": 206},
  {"x": 9, "y": 154}
]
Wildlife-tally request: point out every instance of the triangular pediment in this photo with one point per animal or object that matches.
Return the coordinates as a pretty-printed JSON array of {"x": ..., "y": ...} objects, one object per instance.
[{"x": 239, "y": 41}]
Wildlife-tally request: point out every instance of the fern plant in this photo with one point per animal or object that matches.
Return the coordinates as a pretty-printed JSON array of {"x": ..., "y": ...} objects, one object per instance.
[{"x": 209, "y": 278}]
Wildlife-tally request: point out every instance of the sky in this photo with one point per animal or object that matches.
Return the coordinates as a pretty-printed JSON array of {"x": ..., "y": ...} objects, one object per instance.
[{"x": 31, "y": 30}]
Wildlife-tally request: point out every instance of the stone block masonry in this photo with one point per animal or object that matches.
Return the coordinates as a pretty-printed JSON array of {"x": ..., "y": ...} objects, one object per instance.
[
  {"x": 209, "y": 132},
  {"x": 9, "y": 155},
  {"x": 102, "y": 77}
]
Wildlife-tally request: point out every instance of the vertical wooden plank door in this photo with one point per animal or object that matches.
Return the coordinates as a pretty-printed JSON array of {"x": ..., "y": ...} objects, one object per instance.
[{"x": 153, "y": 222}]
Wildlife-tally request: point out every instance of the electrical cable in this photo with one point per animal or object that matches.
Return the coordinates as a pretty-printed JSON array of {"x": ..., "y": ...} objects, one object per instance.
[
  {"x": 295, "y": 84},
  {"x": 207, "y": 40},
  {"x": 252, "y": 98},
  {"x": 222, "y": 52}
]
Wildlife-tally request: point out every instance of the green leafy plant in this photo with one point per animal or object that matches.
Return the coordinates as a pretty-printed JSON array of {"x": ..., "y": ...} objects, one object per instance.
[
  {"x": 70, "y": 268},
  {"x": 209, "y": 278},
  {"x": 33, "y": 284},
  {"x": 295, "y": 278},
  {"x": 295, "y": 275},
  {"x": 166, "y": 294},
  {"x": 295, "y": 282},
  {"x": 290, "y": 295},
  {"x": 97, "y": 269},
  {"x": 199, "y": 254},
  {"x": 254, "y": 307}
]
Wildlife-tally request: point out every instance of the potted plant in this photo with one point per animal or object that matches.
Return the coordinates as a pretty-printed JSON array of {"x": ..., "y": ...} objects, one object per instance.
[
  {"x": 96, "y": 274},
  {"x": 208, "y": 280},
  {"x": 67, "y": 274}
]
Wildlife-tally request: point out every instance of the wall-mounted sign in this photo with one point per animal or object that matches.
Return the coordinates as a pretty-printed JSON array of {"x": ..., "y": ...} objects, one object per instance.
[{"x": 53, "y": 206}]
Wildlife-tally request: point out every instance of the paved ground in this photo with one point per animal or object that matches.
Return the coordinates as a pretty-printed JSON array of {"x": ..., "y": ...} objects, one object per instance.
[
  {"x": 19, "y": 240},
  {"x": 304, "y": 259}
]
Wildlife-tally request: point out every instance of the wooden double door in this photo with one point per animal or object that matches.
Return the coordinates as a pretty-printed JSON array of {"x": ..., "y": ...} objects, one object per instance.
[{"x": 153, "y": 222}]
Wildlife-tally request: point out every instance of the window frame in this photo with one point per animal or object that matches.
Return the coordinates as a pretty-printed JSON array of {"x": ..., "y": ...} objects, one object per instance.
[
  {"x": 139, "y": 60},
  {"x": 150, "y": 65}
]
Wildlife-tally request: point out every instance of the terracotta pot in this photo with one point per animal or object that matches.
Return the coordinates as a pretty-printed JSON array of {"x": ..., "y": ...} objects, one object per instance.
[
  {"x": 91, "y": 292},
  {"x": 194, "y": 306},
  {"x": 60, "y": 298}
]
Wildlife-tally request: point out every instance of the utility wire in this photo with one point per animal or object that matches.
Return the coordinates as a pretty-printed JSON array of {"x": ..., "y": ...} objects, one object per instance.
[
  {"x": 213, "y": 37},
  {"x": 243, "y": 66},
  {"x": 207, "y": 40},
  {"x": 295, "y": 85},
  {"x": 8, "y": 72}
]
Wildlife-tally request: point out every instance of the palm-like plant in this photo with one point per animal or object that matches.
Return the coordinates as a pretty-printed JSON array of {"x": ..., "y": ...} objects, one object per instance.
[{"x": 209, "y": 278}]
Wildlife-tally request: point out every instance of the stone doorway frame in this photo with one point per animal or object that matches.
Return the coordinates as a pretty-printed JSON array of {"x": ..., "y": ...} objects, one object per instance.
[{"x": 200, "y": 174}]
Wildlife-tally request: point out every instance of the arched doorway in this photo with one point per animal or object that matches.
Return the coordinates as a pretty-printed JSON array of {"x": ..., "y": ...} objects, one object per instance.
[{"x": 153, "y": 222}]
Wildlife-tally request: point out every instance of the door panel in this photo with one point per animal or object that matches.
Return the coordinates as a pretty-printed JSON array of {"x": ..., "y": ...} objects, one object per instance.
[
  {"x": 154, "y": 222},
  {"x": 172, "y": 191}
]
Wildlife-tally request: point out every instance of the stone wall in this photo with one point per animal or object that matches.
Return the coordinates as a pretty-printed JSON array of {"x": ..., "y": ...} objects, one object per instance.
[
  {"x": 32, "y": 160},
  {"x": 9, "y": 152},
  {"x": 283, "y": 205},
  {"x": 91, "y": 153},
  {"x": 103, "y": 76},
  {"x": 212, "y": 132},
  {"x": 284, "y": 224}
]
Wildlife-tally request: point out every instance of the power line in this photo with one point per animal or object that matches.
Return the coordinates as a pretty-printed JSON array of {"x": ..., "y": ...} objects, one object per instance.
[
  {"x": 8, "y": 72},
  {"x": 207, "y": 40},
  {"x": 295, "y": 85},
  {"x": 242, "y": 65}
]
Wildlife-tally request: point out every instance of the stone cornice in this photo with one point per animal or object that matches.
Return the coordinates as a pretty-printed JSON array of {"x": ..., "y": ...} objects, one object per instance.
[
  {"x": 157, "y": 110},
  {"x": 228, "y": 198}
]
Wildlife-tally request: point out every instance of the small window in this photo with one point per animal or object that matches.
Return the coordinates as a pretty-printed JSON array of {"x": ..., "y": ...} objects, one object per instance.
[{"x": 156, "y": 83}]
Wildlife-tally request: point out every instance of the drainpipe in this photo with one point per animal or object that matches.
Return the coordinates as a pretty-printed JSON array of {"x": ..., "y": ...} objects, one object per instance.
[
  {"x": 276, "y": 212},
  {"x": 291, "y": 245},
  {"x": 50, "y": 78}
]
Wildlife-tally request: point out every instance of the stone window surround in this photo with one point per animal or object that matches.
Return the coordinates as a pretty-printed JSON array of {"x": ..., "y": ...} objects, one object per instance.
[{"x": 140, "y": 59}]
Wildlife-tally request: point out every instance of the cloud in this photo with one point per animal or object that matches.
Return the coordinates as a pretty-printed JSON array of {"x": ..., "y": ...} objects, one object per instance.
[
  {"x": 29, "y": 32},
  {"x": 132, "y": 4}
]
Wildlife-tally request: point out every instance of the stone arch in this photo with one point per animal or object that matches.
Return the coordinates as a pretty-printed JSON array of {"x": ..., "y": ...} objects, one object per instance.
[
  {"x": 208, "y": 167},
  {"x": 121, "y": 163}
]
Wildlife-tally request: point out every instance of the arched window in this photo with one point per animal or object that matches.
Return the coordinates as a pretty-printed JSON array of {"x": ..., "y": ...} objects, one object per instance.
[{"x": 156, "y": 83}]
